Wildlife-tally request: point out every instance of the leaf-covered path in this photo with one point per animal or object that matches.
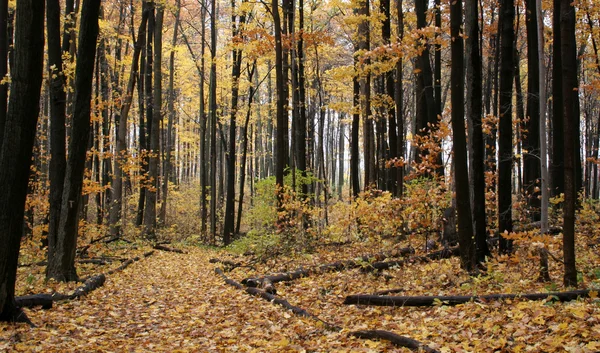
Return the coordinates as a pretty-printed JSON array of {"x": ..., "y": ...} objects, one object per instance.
[
  {"x": 168, "y": 302},
  {"x": 171, "y": 302}
]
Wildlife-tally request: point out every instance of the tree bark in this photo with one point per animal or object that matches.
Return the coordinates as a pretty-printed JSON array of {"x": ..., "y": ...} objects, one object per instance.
[
  {"x": 62, "y": 266},
  {"x": 558, "y": 157},
  {"x": 16, "y": 150},
  {"x": 121, "y": 138},
  {"x": 570, "y": 91},
  {"x": 475, "y": 112},
  {"x": 459, "y": 145},
  {"x": 154, "y": 131},
  {"x": 531, "y": 125},
  {"x": 505, "y": 152}
]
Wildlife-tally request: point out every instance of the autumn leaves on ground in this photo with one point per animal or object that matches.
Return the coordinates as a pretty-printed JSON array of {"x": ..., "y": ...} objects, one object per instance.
[{"x": 175, "y": 302}]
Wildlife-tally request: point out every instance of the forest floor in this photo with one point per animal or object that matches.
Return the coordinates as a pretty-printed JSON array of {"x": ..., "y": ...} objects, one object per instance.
[{"x": 172, "y": 302}]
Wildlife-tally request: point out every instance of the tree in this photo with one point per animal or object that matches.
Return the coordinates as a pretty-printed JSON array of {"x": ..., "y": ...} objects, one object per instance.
[
  {"x": 570, "y": 91},
  {"x": 531, "y": 125},
  {"x": 16, "y": 150},
  {"x": 3, "y": 63},
  {"x": 558, "y": 158},
  {"x": 168, "y": 163},
  {"x": 459, "y": 145},
  {"x": 228, "y": 226},
  {"x": 58, "y": 107},
  {"x": 505, "y": 152},
  {"x": 474, "y": 114},
  {"x": 62, "y": 265},
  {"x": 154, "y": 130},
  {"x": 212, "y": 111},
  {"x": 121, "y": 133}
]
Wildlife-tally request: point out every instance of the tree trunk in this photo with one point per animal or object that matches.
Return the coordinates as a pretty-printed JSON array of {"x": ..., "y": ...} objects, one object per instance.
[
  {"x": 354, "y": 143},
  {"x": 212, "y": 111},
  {"x": 16, "y": 150},
  {"x": 62, "y": 266},
  {"x": 4, "y": 63},
  {"x": 475, "y": 112},
  {"x": 570, "y": 93},
  {"x": 459, "y": 145},
  {"x": 58, "y": 98},
  {"x": 168, "y": 163},
  {"x": 229, "y": 223},
  {"x": 531, "y": 135},
  {"x": 399, "y": 98},
  {"x": 116, "y": 222},
  {"x": 154, "y": 130},
  {"x": 558, "y": 139},
  {"x": 505, "y": 152}
]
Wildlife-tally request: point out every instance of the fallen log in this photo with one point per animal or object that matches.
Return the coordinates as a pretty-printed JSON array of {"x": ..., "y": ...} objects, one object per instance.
[
  {"x": 277, "y": 300},
  {"x": 169, "y": 249},
  {"x": 129, "y": 262},
  {"x": 362, "y": 261},
  {"x": 395, "y": 339},
  {"x": 90, "y": 284},
  {"x": 384, "y": 300}
]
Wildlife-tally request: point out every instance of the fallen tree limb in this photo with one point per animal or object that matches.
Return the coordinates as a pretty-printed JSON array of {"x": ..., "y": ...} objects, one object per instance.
[
  {"x": 90, "y": 284},
  {"x": 384, "y": 300},
  {"x": 46, "y": 300},
  {"x": 362, "y": 261},
  {"x": 397, "y": 340},
  {"x": 389, "y": 291},
  {"x": 129, "y": 262},
  {"x": 169, "y": 249},
  {"x": 277, "y": 300}
]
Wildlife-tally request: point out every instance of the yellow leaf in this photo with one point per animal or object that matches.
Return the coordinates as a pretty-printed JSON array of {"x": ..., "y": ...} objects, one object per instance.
[{"x": 593, "y": 294}]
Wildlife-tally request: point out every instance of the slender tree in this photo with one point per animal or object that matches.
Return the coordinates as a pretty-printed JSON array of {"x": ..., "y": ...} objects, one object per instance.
[
  {"x": 121, "y": 134},
  {"x": 3, "y": 63},
  {"x": 558, "y": 157},
  {"x": 62, "y": 265},
  {"x": 505, "y": 152},
  {"x": 475, "y": 112},
  {"x": 531, "y": 125},
  {"x": 571, "y": 149},
  {"x": 58, "y": 106},
  {"x": 16, "y": 150},
  {"x": 154, "y": 129},
  {"x": 459, "y": 145}
]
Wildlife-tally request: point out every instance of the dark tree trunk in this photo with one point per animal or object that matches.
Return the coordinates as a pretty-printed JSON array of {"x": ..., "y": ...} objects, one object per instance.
[
  {"x": 354, "y": 150},
  {"x": 557, "y": 164},
  {"x": 168, "y": 163},
  {"x": 121, "y": 138},
  {"x": 4, "y": 63},
  {"x": 212, "y": 111},
  {"x": 459, "y": 145},
  {"x": 505, "y": 152},
  {"x": 154, "y": 129},
  {"x": 57, "y": 118},
  {"x": 426, "y": 115},
  {"x": 364, "y": 45},
  {"x": 236, "y": 69},
  {"x": 399, "y": 98},
  {"x": 62, "y": 266},
  {"x": 16, "y": 150},
  {"x": 475, "y": 109},
  {"x": 280, "y": 117},
  {"x": 531, "y": 134},
  {"x": 571, "y": 143},
  {"x": 244, "y": 133}
]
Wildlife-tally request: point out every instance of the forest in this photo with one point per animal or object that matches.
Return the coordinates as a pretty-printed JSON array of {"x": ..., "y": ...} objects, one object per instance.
[{"x": 299, "y": 176}]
